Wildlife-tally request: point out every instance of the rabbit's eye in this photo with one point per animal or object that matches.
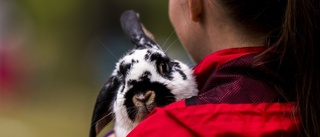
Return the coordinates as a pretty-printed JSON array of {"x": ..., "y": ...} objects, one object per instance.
[{"x": 163, "y": 68}]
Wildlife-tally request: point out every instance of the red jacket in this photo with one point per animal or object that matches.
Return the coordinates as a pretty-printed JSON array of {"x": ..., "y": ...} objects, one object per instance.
[{"x": 234, "y": 99}]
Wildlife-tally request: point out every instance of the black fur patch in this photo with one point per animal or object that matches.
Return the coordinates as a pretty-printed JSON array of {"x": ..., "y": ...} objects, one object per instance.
[
  {"x": 155, "y": 56},
  {"x": 124, "y": 68},
  {"x": 176, "y": 65},
  {"x": 122, "y": 89},
  {"x": 103, "y": 103},
  {"x": 134, "y": 61},
  {"x": 183, "y": 75},
  {"x": 178, "y": 68},
  {"x": 146, "y": 75},
  {"x": 147, "y": 56},
  {"x": 132, "y": 82},
  {"x": 163, "y": 95}
]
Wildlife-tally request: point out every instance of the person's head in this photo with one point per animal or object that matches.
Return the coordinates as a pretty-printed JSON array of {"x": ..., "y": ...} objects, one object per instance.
[
  {"x": 289, "y": 28},
  {"x": 205, "y": 26}
]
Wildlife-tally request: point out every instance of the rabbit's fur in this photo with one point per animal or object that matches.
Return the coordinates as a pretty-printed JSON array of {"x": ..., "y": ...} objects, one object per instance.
[{"x": 143, "y": 79}]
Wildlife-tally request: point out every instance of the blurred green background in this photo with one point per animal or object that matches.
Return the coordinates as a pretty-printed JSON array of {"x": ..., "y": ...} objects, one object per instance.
[{"x": 55, "y": 55}]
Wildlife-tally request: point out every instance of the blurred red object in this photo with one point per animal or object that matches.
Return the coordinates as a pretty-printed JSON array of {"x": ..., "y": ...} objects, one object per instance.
[
  {"x": 10, "y": 79},
  {"x": 13, "y": 58},
  {"x": 12, "y": 75}
]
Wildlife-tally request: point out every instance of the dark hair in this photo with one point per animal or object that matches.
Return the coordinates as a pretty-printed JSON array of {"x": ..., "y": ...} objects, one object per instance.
[{"x": 292, "y": 31}]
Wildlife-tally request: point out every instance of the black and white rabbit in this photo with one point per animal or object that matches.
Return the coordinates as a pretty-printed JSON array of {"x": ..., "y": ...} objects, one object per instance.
[{"x": 143, "y": 79}]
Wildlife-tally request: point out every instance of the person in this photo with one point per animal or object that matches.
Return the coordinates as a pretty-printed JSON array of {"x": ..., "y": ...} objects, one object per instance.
[{"x": 257, "y": 70}]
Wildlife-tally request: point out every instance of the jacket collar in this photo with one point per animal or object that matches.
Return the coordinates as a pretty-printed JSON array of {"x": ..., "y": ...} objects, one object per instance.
[{"x": 210, "y": 63}]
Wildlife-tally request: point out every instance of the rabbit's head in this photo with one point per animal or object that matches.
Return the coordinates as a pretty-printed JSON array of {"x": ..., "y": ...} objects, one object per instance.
[{"x": 143, "y": 79}]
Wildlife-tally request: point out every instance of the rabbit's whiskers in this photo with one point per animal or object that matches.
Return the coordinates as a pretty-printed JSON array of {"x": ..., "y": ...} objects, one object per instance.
[{"x": 106, "y": 47}]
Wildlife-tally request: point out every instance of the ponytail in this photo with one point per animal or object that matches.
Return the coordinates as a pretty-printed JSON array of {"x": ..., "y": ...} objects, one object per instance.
[
  {"x": 292, "y": 28},
  {"x": 299, "y": 41}
]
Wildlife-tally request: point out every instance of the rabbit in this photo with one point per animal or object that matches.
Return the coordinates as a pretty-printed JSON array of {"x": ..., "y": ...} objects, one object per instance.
[{"x": 143, "y": 79}]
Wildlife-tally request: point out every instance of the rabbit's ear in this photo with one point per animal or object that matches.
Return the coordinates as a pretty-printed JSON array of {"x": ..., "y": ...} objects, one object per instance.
[
  {"x": 102, "y": 113},
  {"x": 138, "y": 35}
]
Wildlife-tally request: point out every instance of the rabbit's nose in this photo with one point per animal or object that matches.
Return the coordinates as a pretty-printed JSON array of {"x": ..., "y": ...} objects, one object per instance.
[{"x": 144, "y": 99}]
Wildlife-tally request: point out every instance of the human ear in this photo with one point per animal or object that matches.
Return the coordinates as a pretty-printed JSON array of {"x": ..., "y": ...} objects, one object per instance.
[{"x": 196, "y": 9}]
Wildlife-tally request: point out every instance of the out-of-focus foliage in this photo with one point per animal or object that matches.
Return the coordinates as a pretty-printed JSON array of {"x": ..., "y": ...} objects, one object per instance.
[{"x": 56, "y": 54}]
